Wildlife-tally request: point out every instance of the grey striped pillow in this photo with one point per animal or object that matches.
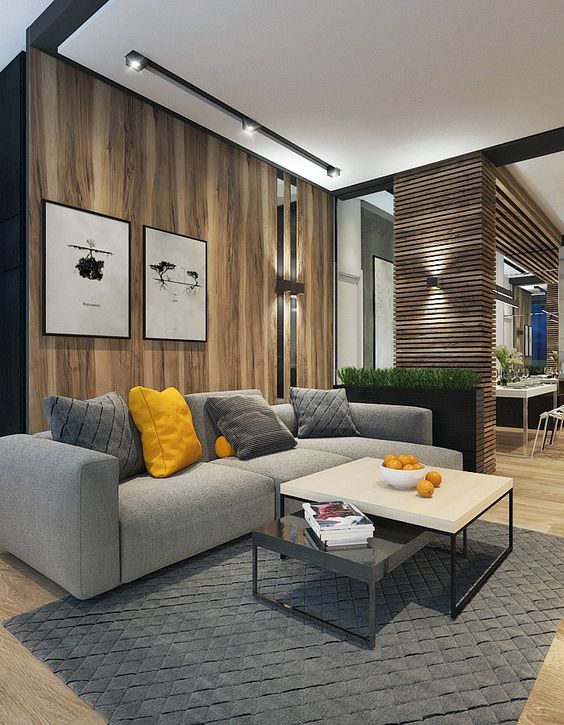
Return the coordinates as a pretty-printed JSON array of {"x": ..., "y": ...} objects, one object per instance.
[
  {"x": 250, "y": 425},
  {"x": 322, "y": 413},
  {"x": 102, "y": 424}
]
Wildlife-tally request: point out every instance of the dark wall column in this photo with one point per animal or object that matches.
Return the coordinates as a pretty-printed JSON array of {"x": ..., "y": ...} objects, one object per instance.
[{"x": 12, "y": 248}]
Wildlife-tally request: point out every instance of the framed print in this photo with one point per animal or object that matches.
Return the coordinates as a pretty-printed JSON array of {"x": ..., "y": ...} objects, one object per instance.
[
  {"x": 176, "y": 296},
  {"x": 85, "y": 273}
]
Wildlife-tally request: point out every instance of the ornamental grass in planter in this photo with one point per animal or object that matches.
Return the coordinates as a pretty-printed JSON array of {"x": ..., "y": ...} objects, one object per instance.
[{"x": 453, "y": 394}]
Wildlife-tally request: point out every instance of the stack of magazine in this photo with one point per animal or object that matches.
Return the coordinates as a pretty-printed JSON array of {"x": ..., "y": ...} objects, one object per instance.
[{"x": 337, "y": 525}]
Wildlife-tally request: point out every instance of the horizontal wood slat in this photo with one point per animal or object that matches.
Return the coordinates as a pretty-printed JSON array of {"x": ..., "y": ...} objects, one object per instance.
[
  {"x": 523, "y": 232},
  {"x": 444, "y": 226}
]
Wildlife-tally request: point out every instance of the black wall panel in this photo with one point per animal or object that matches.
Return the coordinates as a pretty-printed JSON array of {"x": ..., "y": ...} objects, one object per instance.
[{"x": 12, "y": 248}]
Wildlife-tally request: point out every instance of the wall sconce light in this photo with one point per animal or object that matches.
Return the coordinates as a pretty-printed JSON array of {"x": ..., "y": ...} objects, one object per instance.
[
  {"x": 286, "y": 285},
  {"x": 433, "y": 283}
]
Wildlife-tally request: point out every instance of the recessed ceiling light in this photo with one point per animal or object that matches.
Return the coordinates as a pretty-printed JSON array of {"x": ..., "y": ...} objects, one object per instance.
[
  {"x": 249, "y": 126},
  {"x": 333, "y": 171},
  {"x": 135, "y": 60}
]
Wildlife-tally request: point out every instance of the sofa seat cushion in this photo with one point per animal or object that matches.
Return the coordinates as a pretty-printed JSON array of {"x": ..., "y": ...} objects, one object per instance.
[
  {"x": 375, "y": 448},
  {"x": 163, "y": 521},
  {"x": 286, "y": 465}
]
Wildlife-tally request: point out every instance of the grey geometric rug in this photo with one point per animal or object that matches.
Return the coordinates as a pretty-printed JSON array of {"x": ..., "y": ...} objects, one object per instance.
[{"x": 189, "y": 644}]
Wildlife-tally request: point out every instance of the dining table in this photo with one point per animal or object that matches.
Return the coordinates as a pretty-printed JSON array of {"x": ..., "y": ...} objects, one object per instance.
[{"x": 525, "y": 390}]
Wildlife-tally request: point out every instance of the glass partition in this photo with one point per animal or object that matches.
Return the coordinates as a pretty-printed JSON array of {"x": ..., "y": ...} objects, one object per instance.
[{"x": 365, "y": 281}]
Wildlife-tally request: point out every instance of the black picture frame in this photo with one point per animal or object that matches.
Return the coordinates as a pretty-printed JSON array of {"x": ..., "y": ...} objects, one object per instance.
[
  {"x": 165, "y": 338},
  {"x": 44, "y": 272}
]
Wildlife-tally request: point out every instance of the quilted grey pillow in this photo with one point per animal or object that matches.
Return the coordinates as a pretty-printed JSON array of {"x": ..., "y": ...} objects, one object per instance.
[
  {"x": 322, "y": 413},
  {"x": 250, "y": 425},
  {"x": 102, "y": 424}
]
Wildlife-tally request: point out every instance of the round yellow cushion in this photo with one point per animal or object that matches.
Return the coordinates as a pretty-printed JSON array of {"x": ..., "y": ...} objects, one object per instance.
[
  {"x": 167, "y": 432},
  {"x": 223, "y": 448}
]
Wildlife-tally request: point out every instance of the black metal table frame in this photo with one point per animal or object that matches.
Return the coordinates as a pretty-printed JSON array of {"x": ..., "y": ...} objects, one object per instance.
[{"x": 456, "y": 605}]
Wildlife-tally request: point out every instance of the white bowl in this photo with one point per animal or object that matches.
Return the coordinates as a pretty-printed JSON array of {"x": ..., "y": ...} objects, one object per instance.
[{"x": 402, "y": 479}]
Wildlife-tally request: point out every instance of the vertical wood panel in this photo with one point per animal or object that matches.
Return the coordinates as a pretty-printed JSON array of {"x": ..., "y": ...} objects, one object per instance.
[
  {"x": 444, "y": 226},
  {"x": 96, "y": 147},
  {"x": 315, "y": 270}
]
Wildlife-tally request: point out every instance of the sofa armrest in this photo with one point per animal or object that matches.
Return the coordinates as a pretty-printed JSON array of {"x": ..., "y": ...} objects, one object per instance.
[
  {"x": 59, "y": 512},
  {"x": 393, "y": 422}
]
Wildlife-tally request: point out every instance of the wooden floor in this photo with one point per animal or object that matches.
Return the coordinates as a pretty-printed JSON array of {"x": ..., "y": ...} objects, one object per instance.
[{"x": 31, "y": 694}]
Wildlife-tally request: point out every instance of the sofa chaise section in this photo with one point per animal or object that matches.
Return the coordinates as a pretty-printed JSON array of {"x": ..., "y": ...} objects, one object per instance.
[{"x": 165, "y": 520}]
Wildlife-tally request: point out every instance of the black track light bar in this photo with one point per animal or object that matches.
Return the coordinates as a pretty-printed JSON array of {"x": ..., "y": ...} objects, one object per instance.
[{"x": 138, "y": 62}]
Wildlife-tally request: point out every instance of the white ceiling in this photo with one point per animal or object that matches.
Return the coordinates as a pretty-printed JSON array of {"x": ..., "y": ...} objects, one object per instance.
[
  {"x": 543, "y": 178},
  {"x": 370, "y": 86},
  {"x": 15, "y": 18}
]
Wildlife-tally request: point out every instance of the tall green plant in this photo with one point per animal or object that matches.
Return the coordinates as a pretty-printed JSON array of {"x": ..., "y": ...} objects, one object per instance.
[{"x": 427, "y": 378}]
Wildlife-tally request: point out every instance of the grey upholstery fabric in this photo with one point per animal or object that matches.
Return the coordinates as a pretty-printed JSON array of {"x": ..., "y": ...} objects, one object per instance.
[
  {"x": 362, "y": 447},
  {"x": 166, "y": 520},
  {"x": 393, "y": 422},
  {"x": 250, "y": 425},
  {"x": 46, "y": 434},
  {"x": 59, "y": 512},
  {"x": 322, "y": 413},
  {"x": 285, "y": 411},
  {"x": 204, "y": 427},
  {"x": 102, "y": 424},
  {"x": 286, "y": 465}
]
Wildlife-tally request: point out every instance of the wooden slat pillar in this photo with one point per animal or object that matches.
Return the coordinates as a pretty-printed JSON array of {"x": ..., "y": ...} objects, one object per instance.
[
  {"x": 445, "y": 226},
  {"x": 552, "y": 324}
]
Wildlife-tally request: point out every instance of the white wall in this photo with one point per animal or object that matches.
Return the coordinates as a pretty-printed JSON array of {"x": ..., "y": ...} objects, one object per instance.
[{"x": 349, "y": 284}]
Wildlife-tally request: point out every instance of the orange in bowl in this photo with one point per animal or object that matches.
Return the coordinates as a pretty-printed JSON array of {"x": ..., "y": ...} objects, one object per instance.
[
  {"x": 395, "y": 464},
  {"x": 389, "y": 457}
]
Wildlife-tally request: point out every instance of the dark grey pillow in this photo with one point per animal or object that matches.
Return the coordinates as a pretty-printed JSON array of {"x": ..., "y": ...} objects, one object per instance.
[
  {"x": 322, "y": 413},
  {"x": 102, "y": 424},
  {"x": 250, "y": 425}
]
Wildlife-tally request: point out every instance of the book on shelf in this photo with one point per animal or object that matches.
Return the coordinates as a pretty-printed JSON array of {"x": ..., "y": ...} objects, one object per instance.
[
  {"x": 337, "y": 519},
  {"x": 313, "y": 539}
]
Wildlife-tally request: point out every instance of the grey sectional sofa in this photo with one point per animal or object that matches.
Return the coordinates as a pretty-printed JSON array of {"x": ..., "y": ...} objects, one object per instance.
[{"x": 64, "y": 512}]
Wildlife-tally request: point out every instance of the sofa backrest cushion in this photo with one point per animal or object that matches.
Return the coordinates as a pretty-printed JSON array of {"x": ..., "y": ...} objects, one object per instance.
[
  {"x": 285, "y": 411},
  {"x": 205, "y": 429}
]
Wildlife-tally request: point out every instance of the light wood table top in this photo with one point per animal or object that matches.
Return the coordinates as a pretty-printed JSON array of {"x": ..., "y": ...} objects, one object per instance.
[{"x": 460, "y": 499}]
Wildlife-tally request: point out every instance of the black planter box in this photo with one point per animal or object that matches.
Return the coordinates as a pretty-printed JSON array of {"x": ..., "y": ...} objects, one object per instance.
[{"x": 457, "y": 414}]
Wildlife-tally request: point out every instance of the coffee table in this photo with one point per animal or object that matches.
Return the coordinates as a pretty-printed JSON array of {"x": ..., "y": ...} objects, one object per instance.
[
  {"x": 392, "y": 544},
  {"x": 462, "y": 498}
]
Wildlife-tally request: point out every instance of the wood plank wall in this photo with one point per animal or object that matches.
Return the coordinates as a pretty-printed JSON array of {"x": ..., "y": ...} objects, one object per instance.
[
  {"x": 552, "y": 342},
  {"x": 96, "y": 147},
  {"x": 315, "y": 268},
  {"x": 523, "y": 232},
  {"x": 444, "y": 226}
]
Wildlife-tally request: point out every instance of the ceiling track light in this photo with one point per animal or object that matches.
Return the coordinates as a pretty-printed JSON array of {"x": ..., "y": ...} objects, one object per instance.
[
  {"x": 138, "y": 62},
  {"x": 135, "y": 60},
  {"x": 249, "y": 126}
]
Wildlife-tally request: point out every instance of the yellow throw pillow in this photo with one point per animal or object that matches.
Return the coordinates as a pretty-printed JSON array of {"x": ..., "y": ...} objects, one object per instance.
[
  {"x": 223, "y": 448},
  {"x": 167, "y": 432}
]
